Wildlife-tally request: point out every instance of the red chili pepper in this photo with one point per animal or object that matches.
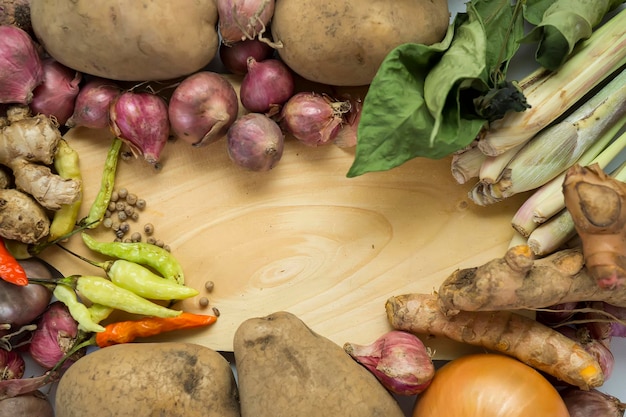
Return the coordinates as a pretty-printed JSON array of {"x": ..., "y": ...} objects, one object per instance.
[
  {"x": 10, "y": 269},
  {"x": 127, "y": 331}
]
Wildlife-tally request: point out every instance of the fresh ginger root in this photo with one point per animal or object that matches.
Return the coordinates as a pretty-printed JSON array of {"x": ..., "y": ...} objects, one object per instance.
[
  {"x": 519, "y": 281},
  {"x": 27, "y": 144},
  {"x": 597, "y": 203},
  {"x": 503, "y": 331},
  {"x": 21, "y": 217}
]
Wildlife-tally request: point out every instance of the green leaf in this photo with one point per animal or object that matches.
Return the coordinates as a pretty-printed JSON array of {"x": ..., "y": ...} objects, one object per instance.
[
  {"x": 561, "y": 24},
  {"x": 419, "y": 104}
]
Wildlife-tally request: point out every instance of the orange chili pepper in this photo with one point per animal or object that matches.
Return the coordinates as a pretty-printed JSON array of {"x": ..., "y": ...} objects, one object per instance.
[
  {"x": 10, "y": 269},
  {"x": 127, "y": 331}
]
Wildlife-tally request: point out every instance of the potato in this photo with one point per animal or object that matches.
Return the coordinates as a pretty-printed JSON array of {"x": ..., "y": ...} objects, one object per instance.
[
  {"x": 343, "y": 42},
  {"x": 285, "y": 369},
  {"x": 128, "y": 41},
  {"x": 149, "y": 380}
]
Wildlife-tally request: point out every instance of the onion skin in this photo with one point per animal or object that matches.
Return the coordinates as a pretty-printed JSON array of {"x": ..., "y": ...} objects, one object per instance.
[
  {"x": 489, "y": 385},
  {"x": 591, "y": 403},
  {"x": 312, "y": 118},
  {"x": 267, "y": 84},
  {"x": 202, "y": 108},
  {"x": 91, "y": 107},
  {"x": 399, "y": 360},
  {"x": 255, "y": 142},
  {"x": 235, "y": 56},
  {"x": 141, "y": 121},
  {"x": 21, "y": 69},
  {"x": 243, "y": 19},
  {"x": 55, "y": 336},
  {"x": 56, "y": 95}
]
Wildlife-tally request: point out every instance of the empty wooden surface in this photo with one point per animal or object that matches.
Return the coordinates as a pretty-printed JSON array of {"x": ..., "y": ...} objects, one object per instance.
[{"x": 302, "y": 237}]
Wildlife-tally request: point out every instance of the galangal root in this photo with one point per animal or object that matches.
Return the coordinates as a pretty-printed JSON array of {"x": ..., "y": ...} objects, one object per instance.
[
  {"x": 597, "y": 203},
  {"x": 28, "y": 145},
  {"x": 519, "y": 281},
  {"x": 503, "y": 331}
]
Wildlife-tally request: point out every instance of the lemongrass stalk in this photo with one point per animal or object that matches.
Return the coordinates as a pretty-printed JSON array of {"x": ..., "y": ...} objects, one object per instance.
[
  {"x": 559, "y": 146},
  {"x": 492, "y": 168},
  {"x": 517, "y": 239},
  {"x": 548, "y": 200},
  {"x": 553, "y": 234},
  {"x": 620, "y": 172},
  {"x": 465, "y": 164},
  {"x": 551, "y": 94}
]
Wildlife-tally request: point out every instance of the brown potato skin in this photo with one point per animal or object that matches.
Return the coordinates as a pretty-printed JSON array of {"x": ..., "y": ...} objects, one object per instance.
[
  {"x": 148, "y": 380},
  {"x": 128, "y": 41},
  {"x": 285, "y": 369},
  {"x": 343, "y": 42}
]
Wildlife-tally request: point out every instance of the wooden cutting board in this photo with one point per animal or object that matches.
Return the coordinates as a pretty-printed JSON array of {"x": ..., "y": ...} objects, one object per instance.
[{"x": 302, "y": 237}]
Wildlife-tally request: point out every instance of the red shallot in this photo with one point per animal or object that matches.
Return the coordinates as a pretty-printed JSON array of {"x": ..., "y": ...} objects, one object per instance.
[
  {"x": 91, "y": 108},
  {"x": 202, "y": 108},
  {"x": 20, "y": 66},
  {"x": 243, "y": 19},
  {"x": 55, "y": 336},
  {"x": 235, "y": 56},
  {"x": 266, "y": 86},
  {"x": 12, "y": 365},
  {"x": 141, "y": 121},
  {"x": 312, "y": 118},
  {"x": 255, "y": 142},
  {"x": 399, "y": 360},
  {"x": 56, "y": 95},
  {"x": 588, "y": 403}
]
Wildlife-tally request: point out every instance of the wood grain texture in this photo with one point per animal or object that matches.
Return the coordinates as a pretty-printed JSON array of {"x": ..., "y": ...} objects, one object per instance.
[{"x": 301, "y": 238}]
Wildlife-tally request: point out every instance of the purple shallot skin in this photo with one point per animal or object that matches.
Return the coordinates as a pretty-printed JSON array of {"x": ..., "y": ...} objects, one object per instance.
[{"x": 141, "y": 121}]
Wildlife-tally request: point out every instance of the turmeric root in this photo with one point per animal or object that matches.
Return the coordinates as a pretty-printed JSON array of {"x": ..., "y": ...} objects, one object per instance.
[
  {"x": 518, "y": 281},
  {"x": 503, "y": 331},
  {"x": 27, "y": 145},
  {"x": 21, "y": 217},
  {"x": 597, "y": 203}
]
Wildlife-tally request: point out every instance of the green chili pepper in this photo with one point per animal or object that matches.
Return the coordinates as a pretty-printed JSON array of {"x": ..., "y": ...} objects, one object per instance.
[
  {"x": 99, "y": 312},
  {"x": 102, "y": 291},
  {"x": 100, "y": 204},
  {"x": 142, "y": 253},
  {"x": 78, "y": 310},
  {"x": 67, "y": 166},
  {"x": 144, "y": 282}
]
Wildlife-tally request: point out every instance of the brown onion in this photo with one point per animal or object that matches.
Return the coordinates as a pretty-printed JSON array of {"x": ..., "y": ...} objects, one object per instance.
[
  {"x": 399, "y": 360},
  {"x": 243, "y": 19},
  {"x": 55, "y": 96},
  {"x": 255, "y": 142},
  {"x": 202, "y": 108},
  {"x": 141, "y": 121},
  {"x": 20, "y": 66},
  {"x": 266, "y": 86},
  {"x": 312, "y": 118},
  {"x": 235, "y": 56},
  {"x": 91, "y": 108}
]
